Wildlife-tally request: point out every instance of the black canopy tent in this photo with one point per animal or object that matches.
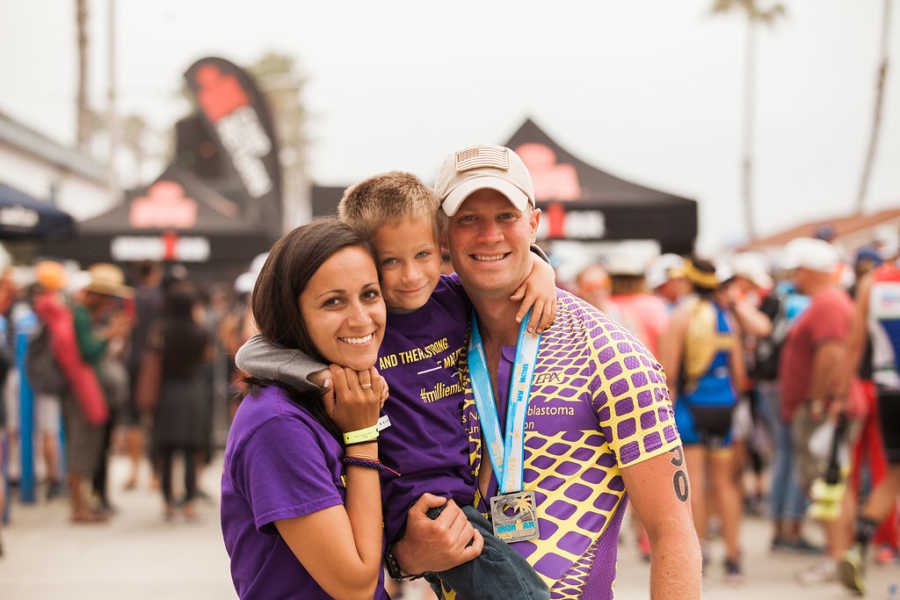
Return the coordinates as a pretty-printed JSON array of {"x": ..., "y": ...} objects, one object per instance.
[
  {"x": 177, "y": 218},
  {"x": 581, "y": 202},
  {"x": 23, "y": 217}
]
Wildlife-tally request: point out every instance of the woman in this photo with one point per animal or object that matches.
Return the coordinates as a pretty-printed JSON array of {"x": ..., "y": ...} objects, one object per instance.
[
  {"x": 702, "y": 357},
  {"x": 301, "y": 501},
  {"x": 179, "y": 348}
]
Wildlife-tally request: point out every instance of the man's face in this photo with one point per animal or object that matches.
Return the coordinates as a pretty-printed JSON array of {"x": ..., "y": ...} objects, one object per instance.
[
  {"x": 802, "y": 278},
  {"x": 489, "y": 241}
]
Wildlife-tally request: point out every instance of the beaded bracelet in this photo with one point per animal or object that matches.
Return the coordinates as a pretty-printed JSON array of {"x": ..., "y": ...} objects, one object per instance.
[{"x": 368, "y": 463}]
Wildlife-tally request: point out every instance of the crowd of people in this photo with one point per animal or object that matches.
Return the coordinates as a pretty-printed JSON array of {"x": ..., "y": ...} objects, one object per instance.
[
  {"x": 109, "y": 367},
  {"x": 783, "y": 373},
  {"x": 412, "y": 388}
]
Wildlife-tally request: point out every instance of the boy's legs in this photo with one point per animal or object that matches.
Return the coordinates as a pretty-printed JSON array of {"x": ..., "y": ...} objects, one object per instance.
[{"x": 498, "y": 573}]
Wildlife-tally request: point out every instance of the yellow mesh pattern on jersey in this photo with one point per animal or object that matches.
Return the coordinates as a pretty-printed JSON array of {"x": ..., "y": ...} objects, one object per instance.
[{"x": 598, "y": 401}]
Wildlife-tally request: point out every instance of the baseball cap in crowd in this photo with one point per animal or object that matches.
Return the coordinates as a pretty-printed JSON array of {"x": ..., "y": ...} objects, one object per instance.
[
  {"x": 663, "y": 269},
  {"x": 753, "y": 267},
  {"x": 51, "y": 275},
  {"x": 622, "y": 263},
  {"x": 810, "y": 253},
  {"x": 107, "y": 280},
  {"x": 868, "y": 253},
  {"x": 483, "y": 167},
  {"x": 824, "y": 232}
]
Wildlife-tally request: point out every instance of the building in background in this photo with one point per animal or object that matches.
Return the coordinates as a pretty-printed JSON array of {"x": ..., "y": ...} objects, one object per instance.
[{"x": 48, "y": 171}]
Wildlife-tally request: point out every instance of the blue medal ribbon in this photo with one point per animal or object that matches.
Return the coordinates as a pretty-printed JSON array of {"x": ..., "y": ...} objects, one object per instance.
[{"x": 506, "y": 452}]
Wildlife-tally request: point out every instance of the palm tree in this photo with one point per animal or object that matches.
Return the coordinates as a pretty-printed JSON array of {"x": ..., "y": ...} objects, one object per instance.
[
  {"x": 755, "y": 15},
  {"x": 82, "y": 123},
  {"x": 880, "y": 78}
]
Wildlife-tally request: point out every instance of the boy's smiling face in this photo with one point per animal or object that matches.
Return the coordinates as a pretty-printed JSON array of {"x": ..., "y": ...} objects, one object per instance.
[{"x": 410, "y": 261}]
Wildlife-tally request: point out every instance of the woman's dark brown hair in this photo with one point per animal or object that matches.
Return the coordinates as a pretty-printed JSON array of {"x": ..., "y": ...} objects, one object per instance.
[{"x": 292, "y": 262}]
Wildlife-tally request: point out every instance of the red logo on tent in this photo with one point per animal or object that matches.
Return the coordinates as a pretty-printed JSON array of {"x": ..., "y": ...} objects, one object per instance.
[
  {"x": 165, "y": 205},
  {"x": 219, "y": 94},
  {"x": 556, "y": 220},
  {"x": 170, "y": 243},
  {"x": 552, "y": 180}
]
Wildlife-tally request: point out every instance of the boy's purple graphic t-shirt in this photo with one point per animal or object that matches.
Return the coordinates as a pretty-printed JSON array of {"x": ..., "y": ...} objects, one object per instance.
[
  {"x": 280, "y": 463},
  {"x": 426, "y": 442}
]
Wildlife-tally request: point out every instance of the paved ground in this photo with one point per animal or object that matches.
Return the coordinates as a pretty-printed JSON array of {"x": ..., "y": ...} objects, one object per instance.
[{"x": 138, "y": 556}]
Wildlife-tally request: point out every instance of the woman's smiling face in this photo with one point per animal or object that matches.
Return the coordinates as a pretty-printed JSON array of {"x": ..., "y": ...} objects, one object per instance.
[{"x": 343, "y": 309}]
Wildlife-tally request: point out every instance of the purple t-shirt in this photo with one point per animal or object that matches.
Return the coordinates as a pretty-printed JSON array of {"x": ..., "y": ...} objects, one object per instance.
[
  {"x": 280, "y": 463},
  {"x": 426, "y": 442}
]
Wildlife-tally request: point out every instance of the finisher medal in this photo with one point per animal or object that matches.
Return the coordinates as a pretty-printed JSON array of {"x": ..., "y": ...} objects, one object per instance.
[
  {"x": 513, "y": 510},
  {"x": 514, "y": 516}
]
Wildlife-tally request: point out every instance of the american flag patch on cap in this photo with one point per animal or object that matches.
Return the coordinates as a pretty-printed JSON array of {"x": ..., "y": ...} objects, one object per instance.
[{"x": 482, "y": 156}]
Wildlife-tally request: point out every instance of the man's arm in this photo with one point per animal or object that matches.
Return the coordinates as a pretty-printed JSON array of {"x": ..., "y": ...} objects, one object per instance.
[
  {"x": 827, "y": 375},
  {"x": 660, "y": 492},
  {"x": 439, "y": 544},
  {"x": 671, "y": 343},
  {"x": 856, "y": 341}
]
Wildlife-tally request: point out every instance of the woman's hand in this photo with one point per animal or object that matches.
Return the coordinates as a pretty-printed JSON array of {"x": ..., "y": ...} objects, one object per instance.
[
  {"x": 357, "y": 397},
  {"x": 322, "y": 379},
  {"x": 538, "y": 291}
]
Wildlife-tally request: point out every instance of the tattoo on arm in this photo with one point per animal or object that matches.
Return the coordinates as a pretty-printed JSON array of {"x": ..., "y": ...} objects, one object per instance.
[{"x": 679, "y": 480}]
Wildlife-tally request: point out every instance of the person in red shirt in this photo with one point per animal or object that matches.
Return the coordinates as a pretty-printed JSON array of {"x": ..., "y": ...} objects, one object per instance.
[{"x": 810, "y": 369}]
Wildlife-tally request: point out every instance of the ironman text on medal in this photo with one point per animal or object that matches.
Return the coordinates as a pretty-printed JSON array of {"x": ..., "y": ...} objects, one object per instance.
[{"x": 514, "y": 516}]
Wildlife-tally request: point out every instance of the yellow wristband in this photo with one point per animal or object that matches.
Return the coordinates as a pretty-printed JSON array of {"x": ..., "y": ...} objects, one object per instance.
[{"x": 367, "y": 434}]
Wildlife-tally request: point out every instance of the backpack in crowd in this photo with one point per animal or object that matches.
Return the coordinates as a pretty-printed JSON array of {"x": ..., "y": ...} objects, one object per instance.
[{"x": 44, "y": 374}]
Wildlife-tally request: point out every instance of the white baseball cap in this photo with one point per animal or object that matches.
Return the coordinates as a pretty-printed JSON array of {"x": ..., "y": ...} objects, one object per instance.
[
  {"x": 753, "y": 267},
  {"x": 483, "y": 167},
  {"x": 622, "y": 263},
  {"x": 664, "y": 268},
  {"x": 812, "y": 254}
]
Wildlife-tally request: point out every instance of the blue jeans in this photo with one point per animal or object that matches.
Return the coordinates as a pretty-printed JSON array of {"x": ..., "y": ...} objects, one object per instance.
[
  {"x": 787, "y": 500},
  {"x": 498, "y": 573}
]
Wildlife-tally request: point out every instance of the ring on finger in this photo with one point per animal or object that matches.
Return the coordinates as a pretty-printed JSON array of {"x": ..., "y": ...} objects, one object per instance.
[{"x": 366, "y": 386}]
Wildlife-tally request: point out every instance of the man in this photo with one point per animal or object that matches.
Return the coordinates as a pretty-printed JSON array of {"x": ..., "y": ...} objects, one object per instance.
[
  {"x": 598, "y": 421},
  {"x": 877, "y": 316},
  {"x": 148, "y": 302},
  {"x": 810, "y": 372},
  {"x": 665, "y": 277}
]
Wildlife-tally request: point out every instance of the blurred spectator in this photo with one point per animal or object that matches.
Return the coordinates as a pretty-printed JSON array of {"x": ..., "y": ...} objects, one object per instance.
[
  {"x": 749, "y": 283},
  {"x": 811, "y": 362},
  {"x": 644, "y": 314},
  {"x": 148, "y": 305},
  {"x": 877, "y": 317},
  {"x": 236, "y": 328},
  {"x": 665, "y": 278},
  {"x": 592, "y": 285},
  {"x": 703, "y": 361},
  {"x": 99, "y": 322},
  {"x": 786, "y": 500},
  {"x": 177, "y": 350},
  {"x": 51, "y": 279}
]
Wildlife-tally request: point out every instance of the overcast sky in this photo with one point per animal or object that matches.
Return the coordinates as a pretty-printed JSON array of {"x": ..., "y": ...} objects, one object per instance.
[{"x": 649, "y": 90}]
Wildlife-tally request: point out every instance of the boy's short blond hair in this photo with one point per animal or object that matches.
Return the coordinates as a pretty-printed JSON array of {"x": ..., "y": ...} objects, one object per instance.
[{"x": 389, "y": 198}]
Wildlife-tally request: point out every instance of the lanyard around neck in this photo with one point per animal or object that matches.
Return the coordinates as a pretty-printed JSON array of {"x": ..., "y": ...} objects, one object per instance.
[{"x": 506, "y": 452}]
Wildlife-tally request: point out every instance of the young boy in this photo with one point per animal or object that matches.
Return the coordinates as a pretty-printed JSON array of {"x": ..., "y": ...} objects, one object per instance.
[{"x": 426, "y": 333}]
